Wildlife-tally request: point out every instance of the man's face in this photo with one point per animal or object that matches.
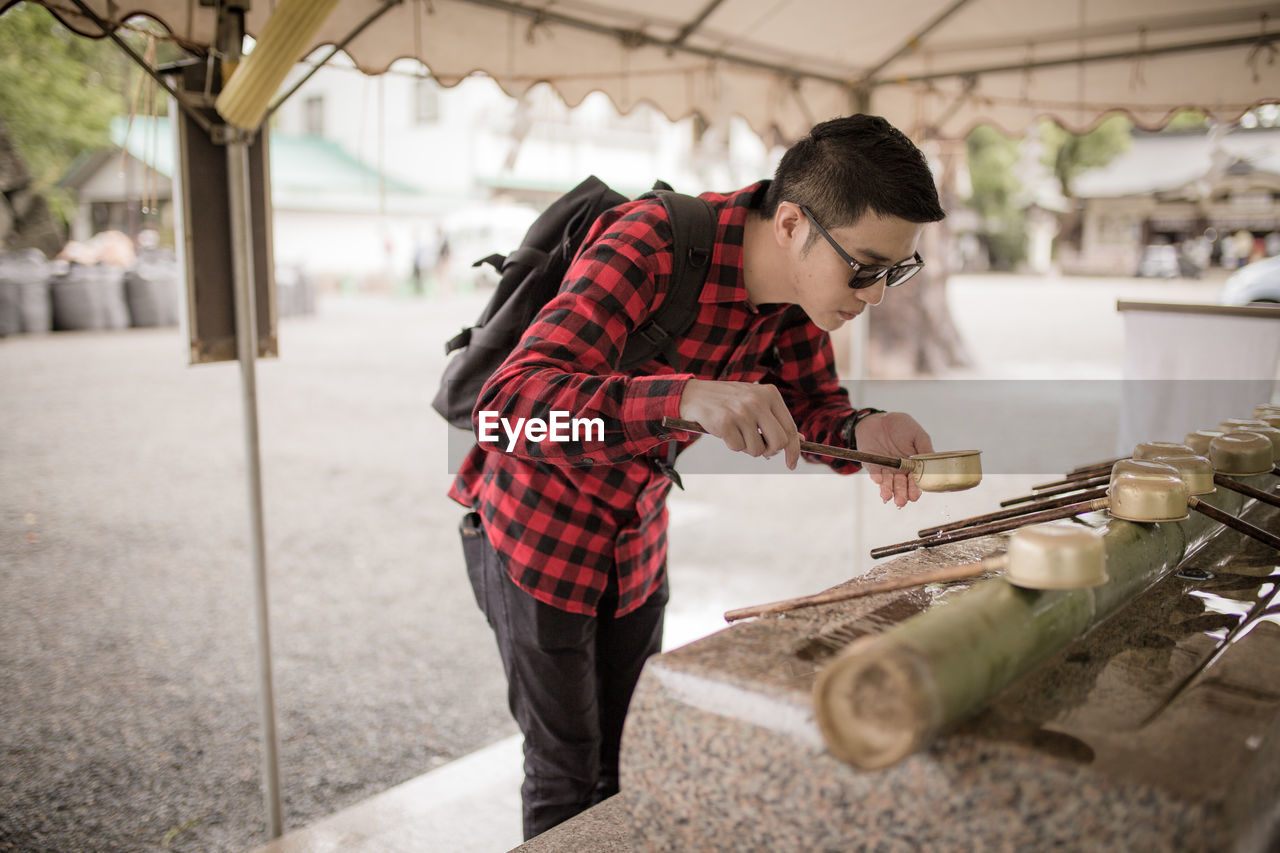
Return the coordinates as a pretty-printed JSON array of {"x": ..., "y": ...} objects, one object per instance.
[{"x": 821, "y": 276}]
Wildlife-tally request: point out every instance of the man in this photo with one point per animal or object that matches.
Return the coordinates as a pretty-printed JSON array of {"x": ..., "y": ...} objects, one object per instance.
[{"x": 566, "y": 549}]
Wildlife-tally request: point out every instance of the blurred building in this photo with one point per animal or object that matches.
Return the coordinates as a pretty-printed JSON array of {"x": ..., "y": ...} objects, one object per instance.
[
  {"x": 376, "y": 180},
  {"x": 1183, "y": 190}
]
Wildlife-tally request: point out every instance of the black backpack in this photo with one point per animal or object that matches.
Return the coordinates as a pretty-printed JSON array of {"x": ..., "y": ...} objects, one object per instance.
[{"x": 533, "y": 273}]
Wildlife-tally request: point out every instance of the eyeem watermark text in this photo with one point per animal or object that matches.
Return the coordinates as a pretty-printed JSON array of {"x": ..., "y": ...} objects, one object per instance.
[{"x": 561, "y": 427}]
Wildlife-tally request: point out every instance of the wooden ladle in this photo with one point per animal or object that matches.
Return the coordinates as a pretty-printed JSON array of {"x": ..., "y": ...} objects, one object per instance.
[
  {"x": 950, "y": 471},
  {"x": 1142, "y": 491},
  {"x": 1043, "y": 556}
]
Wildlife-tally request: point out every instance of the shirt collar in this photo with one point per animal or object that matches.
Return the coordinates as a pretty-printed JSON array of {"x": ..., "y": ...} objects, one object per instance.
[{"x": 724, "y": 280}]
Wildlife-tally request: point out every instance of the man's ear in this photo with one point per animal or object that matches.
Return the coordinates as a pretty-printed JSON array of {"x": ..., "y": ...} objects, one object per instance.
[{"x": 789, "y": 224}]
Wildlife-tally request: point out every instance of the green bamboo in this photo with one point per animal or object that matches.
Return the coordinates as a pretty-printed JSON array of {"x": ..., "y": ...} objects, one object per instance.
[{"x": 887, "y": 695}]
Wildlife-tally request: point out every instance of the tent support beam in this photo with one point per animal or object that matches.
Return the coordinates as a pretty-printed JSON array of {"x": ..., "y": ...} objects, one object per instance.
[
  {"x": 636, "y": 38},
  {"x": 689, "y": 28},
  {"x": 239, "y": 196},
  {"x": 1265, "y": 38},
  {"x": 913, "y": 42}
]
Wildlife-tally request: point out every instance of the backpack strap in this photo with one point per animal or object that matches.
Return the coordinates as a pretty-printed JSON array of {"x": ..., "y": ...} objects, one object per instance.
[{"x": 693, "y": 228}]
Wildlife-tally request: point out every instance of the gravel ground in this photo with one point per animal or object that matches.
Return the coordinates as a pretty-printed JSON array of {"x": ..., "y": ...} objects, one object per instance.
[
  {"x": 128, "y": 682},
  {"x": 127, "y": 670}
]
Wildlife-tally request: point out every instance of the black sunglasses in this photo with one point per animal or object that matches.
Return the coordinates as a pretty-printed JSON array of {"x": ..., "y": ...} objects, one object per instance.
[{"x": 865, "y": 275}]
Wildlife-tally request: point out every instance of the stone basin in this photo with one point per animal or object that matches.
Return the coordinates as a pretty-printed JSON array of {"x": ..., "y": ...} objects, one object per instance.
[{"x": 1157, "y": 729}]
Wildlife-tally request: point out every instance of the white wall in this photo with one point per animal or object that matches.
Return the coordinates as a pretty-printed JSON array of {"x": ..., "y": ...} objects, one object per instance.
[{"x": 458, "y": 157}]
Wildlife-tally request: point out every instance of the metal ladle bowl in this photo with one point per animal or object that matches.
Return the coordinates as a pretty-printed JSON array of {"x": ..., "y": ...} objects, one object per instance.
[
  {"x": 1241, "y": 454},
  {"x": 947, "y": 471},
  {"x": 1147, "y": 491},
  {"x": 1268, "y": 432},
  {"x": 1199, "y": 440},
  {"x": 1057, "y": 555},
  {"x": 1156, "y": 449},
  {"x": 1196, "y": 471},
  {"x": 1237, "y": 424}
]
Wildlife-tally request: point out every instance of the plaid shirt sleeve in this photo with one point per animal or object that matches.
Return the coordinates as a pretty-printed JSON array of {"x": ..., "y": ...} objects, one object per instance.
[
  {"x": 807, "y": 379},
  {"x": 565, "y": 362}
]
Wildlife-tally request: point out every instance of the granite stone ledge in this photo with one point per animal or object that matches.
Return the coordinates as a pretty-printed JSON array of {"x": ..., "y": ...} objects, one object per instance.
[
  {"x": 604, "y": 828},
  {"x": 1149, "y": 732}
]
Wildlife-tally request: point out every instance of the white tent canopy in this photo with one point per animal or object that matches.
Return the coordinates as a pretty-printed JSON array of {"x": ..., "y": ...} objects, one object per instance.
[{"x": 933, "y": 67}]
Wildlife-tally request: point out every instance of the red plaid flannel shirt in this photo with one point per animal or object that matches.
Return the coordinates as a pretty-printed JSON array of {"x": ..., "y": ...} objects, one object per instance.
[{"x": 566, "y": 514}]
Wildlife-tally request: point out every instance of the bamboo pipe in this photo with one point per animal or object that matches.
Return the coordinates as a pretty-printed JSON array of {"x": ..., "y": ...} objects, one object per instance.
[{"x": 888, "y": 694}]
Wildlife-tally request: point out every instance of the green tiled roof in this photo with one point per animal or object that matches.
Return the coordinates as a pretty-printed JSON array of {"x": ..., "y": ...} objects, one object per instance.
[{"x": 305, "y": 164}]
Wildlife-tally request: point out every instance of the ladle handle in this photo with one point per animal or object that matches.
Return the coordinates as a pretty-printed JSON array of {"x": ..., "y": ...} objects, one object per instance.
[
  {"x": 1264, "y": 536},
  {"x": 1072, "y": 479},
  {"x": 807, "y": 447},
  {"x": 1014, "y": 512},
  {"x": 994, "y": 527},
  {"x": 1076, "y": 486},
  {"x": 948, "y": 573},
  {"x": 1246, "y": 490},
  {"x": 1094, "y": 466}
]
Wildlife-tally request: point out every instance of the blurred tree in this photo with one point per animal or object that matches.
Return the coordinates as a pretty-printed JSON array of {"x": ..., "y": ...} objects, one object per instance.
[
  {"x": 1069, "y": 154},
  {"x": 999, "y": 196},
  {"x": 995, "y": 194},
  {"x": 59, "y": 91},
  {"x": 1183, "y": 121},
  {"x": 58, "y": 94}
]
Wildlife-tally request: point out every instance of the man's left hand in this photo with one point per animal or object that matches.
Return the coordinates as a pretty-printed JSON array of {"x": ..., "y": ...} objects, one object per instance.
[{"x": 893, "y": 434}]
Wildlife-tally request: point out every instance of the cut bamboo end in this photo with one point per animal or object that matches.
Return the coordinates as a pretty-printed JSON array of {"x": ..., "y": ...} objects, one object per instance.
[{"x": 873, "y": 705}]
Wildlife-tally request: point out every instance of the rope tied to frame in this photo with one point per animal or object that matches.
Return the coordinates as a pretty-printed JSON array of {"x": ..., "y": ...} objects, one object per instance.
[
  {"x": 1265, "y": 46},
  {"x": 1136, "y": 77}
]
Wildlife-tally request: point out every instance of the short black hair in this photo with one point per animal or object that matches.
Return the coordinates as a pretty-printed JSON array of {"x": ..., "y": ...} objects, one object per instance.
[{"x": 847, "y": 166}]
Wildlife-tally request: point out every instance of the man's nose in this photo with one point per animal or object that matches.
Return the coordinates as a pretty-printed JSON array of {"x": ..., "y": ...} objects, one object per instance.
[{"x": 874, "y": 294}]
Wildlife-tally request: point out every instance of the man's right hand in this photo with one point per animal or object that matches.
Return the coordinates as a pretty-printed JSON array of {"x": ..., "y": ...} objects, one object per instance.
[{"x": 747, "y": 417}]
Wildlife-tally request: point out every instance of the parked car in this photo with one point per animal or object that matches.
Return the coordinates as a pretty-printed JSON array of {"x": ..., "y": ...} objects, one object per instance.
[{"x": 1256, "y": 282}]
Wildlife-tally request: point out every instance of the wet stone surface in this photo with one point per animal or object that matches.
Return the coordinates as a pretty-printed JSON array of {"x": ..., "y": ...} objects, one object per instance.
[{"x": 1157, "y": 729}]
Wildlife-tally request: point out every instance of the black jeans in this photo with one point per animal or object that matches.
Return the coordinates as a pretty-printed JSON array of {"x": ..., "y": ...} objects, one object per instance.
[{"x": 569, "y": 682}]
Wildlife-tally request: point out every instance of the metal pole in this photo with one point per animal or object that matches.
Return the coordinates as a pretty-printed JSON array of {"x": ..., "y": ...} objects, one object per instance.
[{"x": 247, "y": 349}]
